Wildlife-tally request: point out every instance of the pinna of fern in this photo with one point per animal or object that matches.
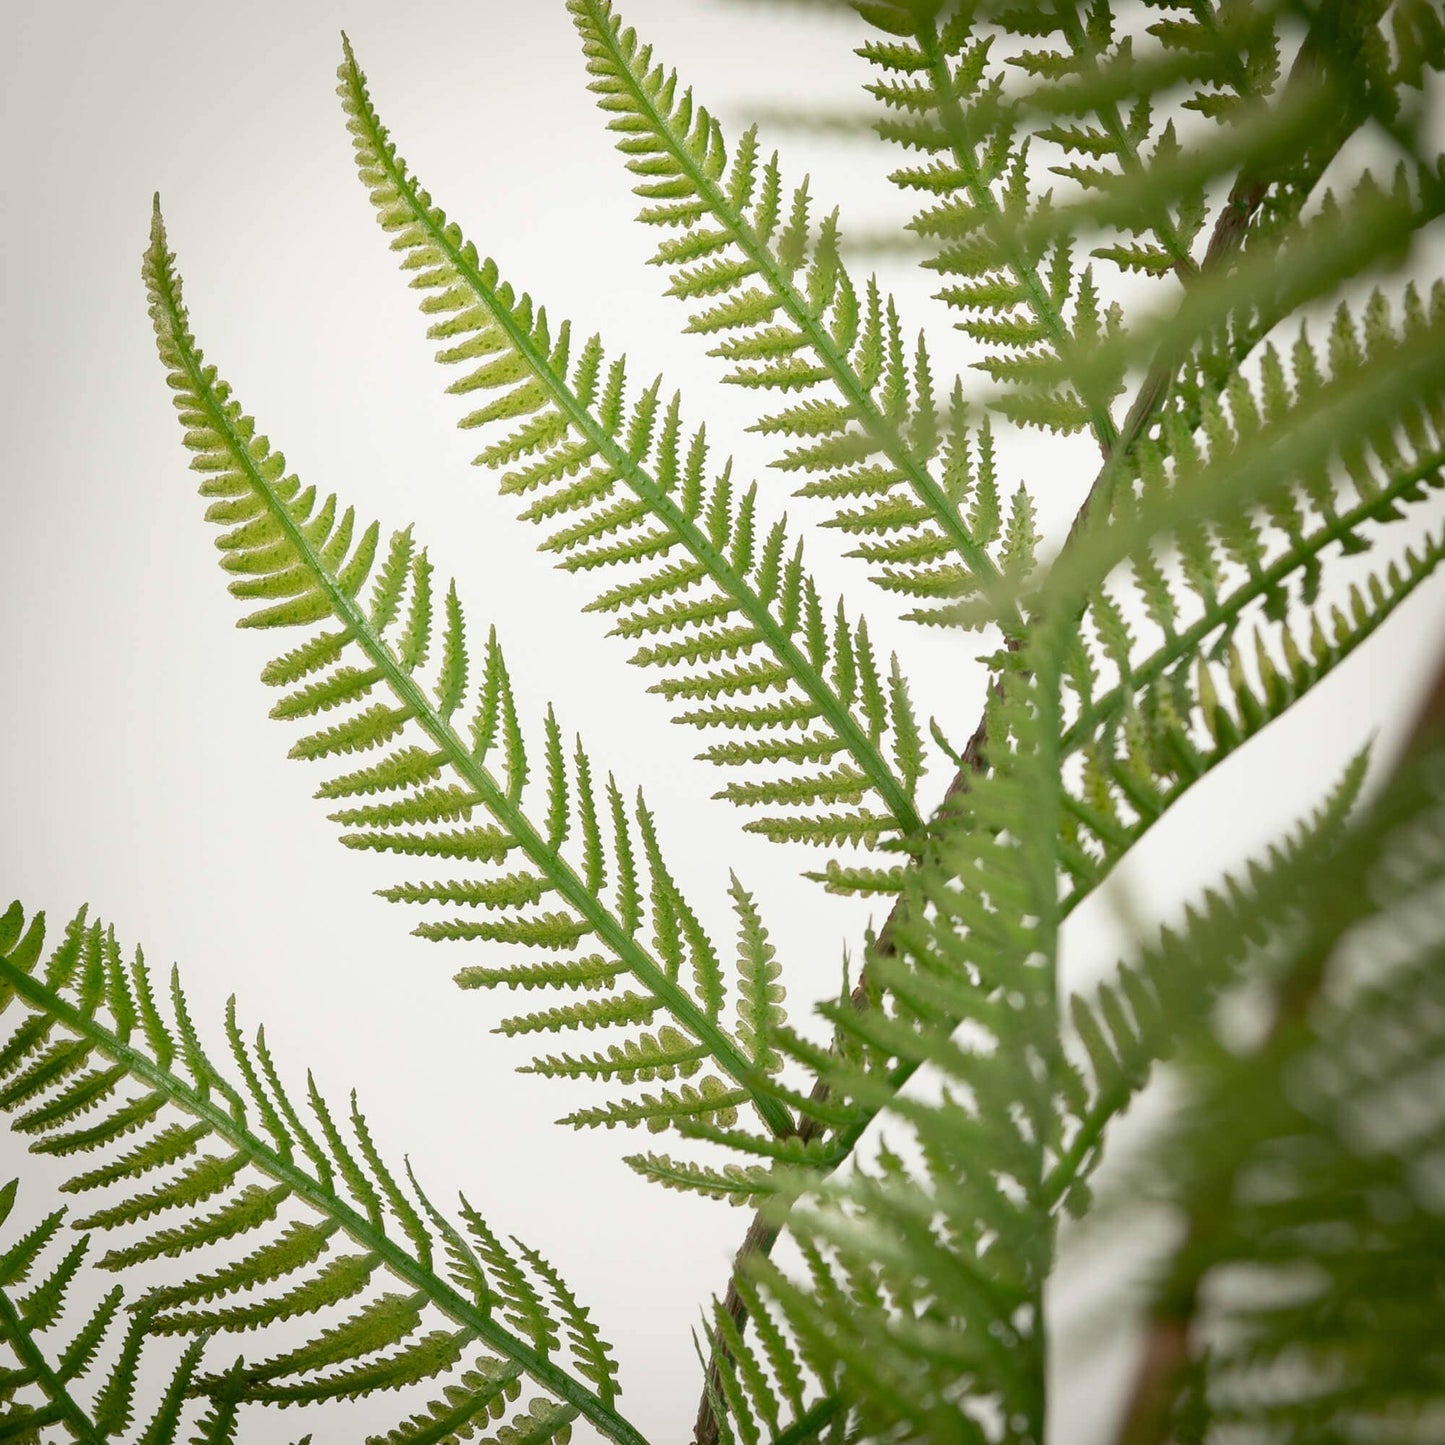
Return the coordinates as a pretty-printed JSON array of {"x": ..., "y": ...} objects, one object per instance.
[
  {"x": 558, "y": 868},
  {"x": 55, "y": 1379},
  {"x": 861, "y": 414},
  {"x": 725, "y": 607},
  {"x": 994, "y": 845},
  {"x": 987, "y": 884},
  {"x": 188, "y": 1160}
]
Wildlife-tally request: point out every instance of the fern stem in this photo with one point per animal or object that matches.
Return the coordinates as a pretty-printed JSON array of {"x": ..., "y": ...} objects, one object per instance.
[
  {"x": 1024, "y": 271},
  {"x": 410, "y": 693},
  {"x": 729, "y": 581},
  {"x": 64, "y": 1408},
  {"x": 1246, "y": 197},
  {"x": 1041, "y": 858},
  {"x": 403, "y": 1265},
  {"x": 780, "y": 282}
]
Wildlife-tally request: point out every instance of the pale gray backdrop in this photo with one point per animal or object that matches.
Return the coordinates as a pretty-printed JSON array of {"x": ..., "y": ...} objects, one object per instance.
[{"x": 138, "y": 770}]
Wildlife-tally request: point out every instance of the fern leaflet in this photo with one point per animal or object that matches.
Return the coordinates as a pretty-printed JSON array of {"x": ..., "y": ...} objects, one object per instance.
[
  {"x": 305, "y": 563},
  {"x": 96, "y": 1041}
]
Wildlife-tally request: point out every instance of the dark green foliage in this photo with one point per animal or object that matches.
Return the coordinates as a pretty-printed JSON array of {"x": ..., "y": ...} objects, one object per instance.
[{"x": 1308, "y": 1164}]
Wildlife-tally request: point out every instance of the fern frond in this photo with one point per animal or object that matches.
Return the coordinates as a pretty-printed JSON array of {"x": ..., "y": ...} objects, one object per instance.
[
  {"x": 479, "y": 1396},
  {"x": 620, "y": 485},
  {"x": 1299, "y": 1160},
  {"x": 1251, "y": 561},
  {"x": 1022, "y": 304},
  {"x": 861, "y": 418},
  {"x": 360, "y": 1222},
  {"x": 763, "y": 1388},
  {"x": 1102, "y": 94},
  {"x": 574, "y": 865},
  {"x": 64, "y": 1373}
]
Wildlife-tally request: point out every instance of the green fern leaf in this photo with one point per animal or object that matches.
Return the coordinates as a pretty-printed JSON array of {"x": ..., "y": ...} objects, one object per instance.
[
  {"x": 243, "y": 471},
  {"x": 790, "y": 318},
  {"x": 595, "y": 468}
]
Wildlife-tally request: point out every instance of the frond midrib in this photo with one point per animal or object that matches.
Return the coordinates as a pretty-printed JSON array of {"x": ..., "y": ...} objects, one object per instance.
[
  {"x": 847, "y": 380},
  {"x": 1102, "y": 424},
  {"x": 447, "y": 1299},
  {"x": 22, "y": 1341},
  {"x": 838, "y": 716},
  {"x": 406, "y": 688}
]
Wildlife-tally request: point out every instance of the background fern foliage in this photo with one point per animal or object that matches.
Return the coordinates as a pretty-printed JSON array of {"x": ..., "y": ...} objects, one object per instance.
[{"x": 1129, "y": 436}]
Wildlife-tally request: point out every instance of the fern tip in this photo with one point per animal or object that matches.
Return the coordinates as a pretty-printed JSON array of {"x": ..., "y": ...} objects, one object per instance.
[{"x": 157, "y": 247}]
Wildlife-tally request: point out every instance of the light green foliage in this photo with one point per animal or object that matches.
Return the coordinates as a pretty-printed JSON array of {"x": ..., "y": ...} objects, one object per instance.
[
  {"x": 726, "y": 605},
  {"x": 56, "y": 1379},
  {"x": 560, "y": 865},
  {"x": 1175, "y": 231},
  {"x": 94, "y": 1063}
]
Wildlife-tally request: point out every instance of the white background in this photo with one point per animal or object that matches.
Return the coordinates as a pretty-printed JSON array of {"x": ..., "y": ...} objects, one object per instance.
[{"x": 138, "y": 770}]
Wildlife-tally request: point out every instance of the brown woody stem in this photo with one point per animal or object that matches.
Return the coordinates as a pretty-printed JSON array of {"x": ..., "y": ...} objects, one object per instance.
[{"x": 1166, "y": 1348}]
